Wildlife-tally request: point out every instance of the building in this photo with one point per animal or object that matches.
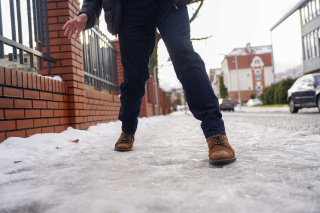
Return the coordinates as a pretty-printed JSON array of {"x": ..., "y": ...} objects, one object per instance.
[
  {"x": 247, "y": 71},
  {"x": 176, "y": 98},
  {"x": 296, "y": 40},
  {"x": 214, "y": 80}
]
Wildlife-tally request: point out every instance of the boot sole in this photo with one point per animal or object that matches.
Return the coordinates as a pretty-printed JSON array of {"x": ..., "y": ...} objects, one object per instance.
[
  {"x": 219, "y": 162},
  {"x": 122, "y": 150}
]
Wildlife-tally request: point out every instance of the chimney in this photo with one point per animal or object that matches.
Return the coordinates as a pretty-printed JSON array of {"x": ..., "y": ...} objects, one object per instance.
[{"x": 248, "y": 47}]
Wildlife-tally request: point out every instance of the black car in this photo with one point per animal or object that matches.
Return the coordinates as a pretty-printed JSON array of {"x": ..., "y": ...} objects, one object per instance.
[
  {"x": 227, "y": 104},
  {"x": 305, "y": 93}
]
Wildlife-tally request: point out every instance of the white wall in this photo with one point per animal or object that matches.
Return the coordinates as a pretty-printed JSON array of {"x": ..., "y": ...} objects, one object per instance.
[
  {"x": 268, "y": 76},
  {"x": 225, "y": 73},
  {"x": 287, "y": 44},
  {"x": 245, "y": 79}
]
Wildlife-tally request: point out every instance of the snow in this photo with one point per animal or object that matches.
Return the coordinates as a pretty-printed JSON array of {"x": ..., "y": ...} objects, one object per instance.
[
  {"x": 57, "y": 78},
  {"x": 258, "y": 50},
  {"x": 277, "y": 170}
]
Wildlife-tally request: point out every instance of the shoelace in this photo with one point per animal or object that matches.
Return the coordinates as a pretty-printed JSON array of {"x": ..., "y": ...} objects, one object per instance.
[
  {"x": 127, "y": 137},
  {"x": 217, "y": 140}
]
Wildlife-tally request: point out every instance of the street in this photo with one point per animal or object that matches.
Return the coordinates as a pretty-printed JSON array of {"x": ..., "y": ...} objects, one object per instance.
[
  {"x": 277, "y": 167},
  {"x": 305, "y": 120}
]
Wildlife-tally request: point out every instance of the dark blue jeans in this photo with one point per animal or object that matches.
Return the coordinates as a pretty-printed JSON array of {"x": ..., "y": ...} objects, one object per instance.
[{"x": 137, "y": 40}]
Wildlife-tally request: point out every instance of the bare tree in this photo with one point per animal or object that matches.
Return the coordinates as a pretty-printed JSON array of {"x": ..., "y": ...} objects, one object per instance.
[{"x": 154, "y": 56}]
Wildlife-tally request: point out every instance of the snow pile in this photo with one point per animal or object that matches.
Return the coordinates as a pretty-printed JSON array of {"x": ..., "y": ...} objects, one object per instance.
[
  {"x": 168, "y": 171},
  {"x": 57, "y": 78}
]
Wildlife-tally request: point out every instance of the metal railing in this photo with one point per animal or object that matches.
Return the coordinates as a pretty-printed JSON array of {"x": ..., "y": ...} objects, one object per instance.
[
  {"x": 37, "y": 32},
  {"x": 100, "y": 61}
]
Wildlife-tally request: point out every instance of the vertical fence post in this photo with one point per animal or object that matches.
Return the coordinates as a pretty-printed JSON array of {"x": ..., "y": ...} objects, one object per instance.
[
  {"x": 69, "y": 56},
  {"x": 13, "y": 28},
  {"x": 1, "y": 34}
]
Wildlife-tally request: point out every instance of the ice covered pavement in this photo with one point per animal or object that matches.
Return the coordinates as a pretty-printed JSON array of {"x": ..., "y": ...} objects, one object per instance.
[{"x": 277, "y": 170}]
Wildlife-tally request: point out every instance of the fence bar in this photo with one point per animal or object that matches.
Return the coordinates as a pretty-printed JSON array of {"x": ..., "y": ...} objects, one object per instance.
[
  {"x": 100, "y": 61},
  {"x": 30, "y": 32},
  {"x": 19, "y": 30},
  {"x": 1, "y": 34},
  {"x": 47, "y": 34},
  {"x": 26, "y": 49},
  {"x": 13, "y": 29},
  {"x": 35, "y": 19},
  {"x": 40, "y": 31}
]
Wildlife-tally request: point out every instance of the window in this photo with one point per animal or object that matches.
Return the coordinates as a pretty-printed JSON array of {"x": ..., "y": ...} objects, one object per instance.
[
  {"x": 258, "y": 74},
  {"x": 302, "y": 16},
  {"x": 306, "y": 13},
  {"x": 310, "y": 11},
  {"x": 308, "y": 80},
  {"x": 316, "y": 43},
  {"x": 259, "y": 89},
  {"x": 318, "y": 7},
  {"x": 314, "y": 9},
  {"x": 304, "y": 48},
  {"x": 318, "y": 39},
  {"x": 312, "y": 44}
]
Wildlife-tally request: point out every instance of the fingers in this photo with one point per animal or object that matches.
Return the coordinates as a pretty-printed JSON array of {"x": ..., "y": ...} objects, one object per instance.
[
  {"x": 66, "y": 25},
  {"x": 67, "y": 32},
  {"x": 77, "y": 34},
  {"x": 72, "y": 32},
  {"x": 77, "y": 25}
]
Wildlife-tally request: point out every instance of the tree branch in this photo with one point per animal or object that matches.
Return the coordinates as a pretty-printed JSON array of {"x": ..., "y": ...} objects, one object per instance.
[
  {"x": 199, "y": 39},
  {"x": 197, "y": 10}
]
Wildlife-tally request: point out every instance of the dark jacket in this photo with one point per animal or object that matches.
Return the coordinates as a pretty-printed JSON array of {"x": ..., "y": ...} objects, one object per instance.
[{"x": 112, "y": 9}]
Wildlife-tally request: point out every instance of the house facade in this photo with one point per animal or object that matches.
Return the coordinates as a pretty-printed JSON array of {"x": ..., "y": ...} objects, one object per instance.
[{"x": 247, "y": 71}]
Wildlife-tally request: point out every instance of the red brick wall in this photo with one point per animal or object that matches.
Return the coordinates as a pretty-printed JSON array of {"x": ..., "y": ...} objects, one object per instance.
[
  {"x": 245, "y": 95},
  {"x": 101, "y": 107},
  {"x": 149, "y": 109},
  {"x": 119, "y": 64},
  {"x": 31, "y": 104}
]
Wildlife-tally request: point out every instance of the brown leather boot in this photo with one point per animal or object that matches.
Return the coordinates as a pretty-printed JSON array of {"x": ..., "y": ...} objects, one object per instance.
[
  {"x": 125, "y": 142},
  {"x": 220, "y": 151}
]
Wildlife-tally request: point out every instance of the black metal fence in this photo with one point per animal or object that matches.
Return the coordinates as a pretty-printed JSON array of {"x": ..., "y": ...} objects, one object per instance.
[
  {"x": 31, "y": 29},
  {"x": 100, "y": 61}
]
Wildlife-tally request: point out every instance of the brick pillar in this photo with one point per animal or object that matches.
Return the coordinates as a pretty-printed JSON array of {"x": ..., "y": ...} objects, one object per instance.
[
  {"x": 144, "y": 106},
  {"x": 69, "y": 55},
  {"x": 119, "y": 63},
  {"x": 152, "y": 95}
]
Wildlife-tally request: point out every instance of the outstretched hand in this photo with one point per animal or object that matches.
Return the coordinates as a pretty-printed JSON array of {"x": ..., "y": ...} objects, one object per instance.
[{"x": 75, "y": 25}]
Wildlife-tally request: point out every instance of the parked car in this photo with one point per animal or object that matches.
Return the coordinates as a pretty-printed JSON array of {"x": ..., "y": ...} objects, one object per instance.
[
  {"x": 305, "y": 93},
  {"x": 226, "y": 104},
  {"x": 254, "y": 102}
]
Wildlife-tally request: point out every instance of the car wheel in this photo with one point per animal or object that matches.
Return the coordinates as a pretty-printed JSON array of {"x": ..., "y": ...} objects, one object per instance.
[
  {"x": 292, "y": 108},
  {"x": 318, "y": 102}
]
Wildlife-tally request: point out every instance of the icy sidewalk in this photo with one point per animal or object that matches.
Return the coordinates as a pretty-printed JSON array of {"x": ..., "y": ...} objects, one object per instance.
[{"x": 168, "y": 171}]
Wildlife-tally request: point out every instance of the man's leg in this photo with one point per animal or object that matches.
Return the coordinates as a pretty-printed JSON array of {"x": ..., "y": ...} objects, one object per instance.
[
  {"x": 137, "y": 40},
  {"x": 174, "y": 27}
]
